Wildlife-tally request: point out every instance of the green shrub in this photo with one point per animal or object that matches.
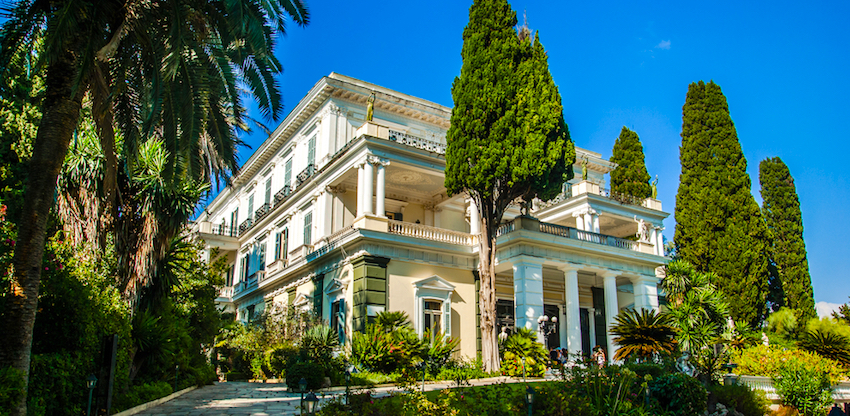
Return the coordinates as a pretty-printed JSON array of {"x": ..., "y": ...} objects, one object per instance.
[
  {"x": 741, "y": 398},
  {"x": 650, "y": 369},
  {"x": 804, "y": 388},
  {"x": 11, "y": 388},
  {"x": 679, "y": 394},
  {"x": 523, "y": 343},
  {"x": 236, "y": 376},
  {"x": 766, "y": 361},
  {"x": 312, "y": 372},
  {"x": 142, "y": 394}
]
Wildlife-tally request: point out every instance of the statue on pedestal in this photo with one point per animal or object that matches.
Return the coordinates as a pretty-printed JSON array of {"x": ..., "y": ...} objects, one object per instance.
[
  {"x": 370, "y": 107},
  {"x": 584, "y": 169},
  {"x": 642, "y": 230},
  {"x": 655, "y": 188}
]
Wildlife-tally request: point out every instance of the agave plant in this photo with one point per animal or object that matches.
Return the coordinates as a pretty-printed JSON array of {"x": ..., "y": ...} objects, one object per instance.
[{"x": 642, "y": 334}]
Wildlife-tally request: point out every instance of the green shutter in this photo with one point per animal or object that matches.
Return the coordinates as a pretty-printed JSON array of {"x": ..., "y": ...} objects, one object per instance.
[{"x": 370, "y": 287}]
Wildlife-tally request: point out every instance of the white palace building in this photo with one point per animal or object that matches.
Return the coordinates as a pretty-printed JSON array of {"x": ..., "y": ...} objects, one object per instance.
[{"x": 349, "y": 217}]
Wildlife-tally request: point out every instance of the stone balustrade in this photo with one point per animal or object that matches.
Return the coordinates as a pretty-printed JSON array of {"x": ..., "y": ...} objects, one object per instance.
[{"x": 430, "y": 233}]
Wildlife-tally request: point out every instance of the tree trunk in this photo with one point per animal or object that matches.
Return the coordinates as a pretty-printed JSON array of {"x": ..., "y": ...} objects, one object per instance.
[
  {"x": 487, "y": 297},
  {"x": 61, "y": 110}
]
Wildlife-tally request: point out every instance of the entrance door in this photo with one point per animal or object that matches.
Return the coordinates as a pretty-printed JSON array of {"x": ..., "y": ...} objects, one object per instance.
[
  {"x": 585, "y": 331},
  {"x": 553, "y": 339}
]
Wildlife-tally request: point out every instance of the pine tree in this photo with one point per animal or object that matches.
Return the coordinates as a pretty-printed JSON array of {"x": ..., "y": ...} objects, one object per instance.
[
  {"x": 630, "y": 177},
  {"x": 719, "y": 227},
  {"x": 507, "y": 137},
  {"x": 781, "y": 210}
]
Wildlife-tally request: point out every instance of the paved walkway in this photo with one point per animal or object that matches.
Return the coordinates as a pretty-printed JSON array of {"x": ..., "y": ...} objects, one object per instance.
[{"x": 259, "y": 399}]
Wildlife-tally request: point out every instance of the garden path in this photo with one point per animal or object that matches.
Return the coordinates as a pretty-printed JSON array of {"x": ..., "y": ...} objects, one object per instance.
[{"x": 266, "y": 399}]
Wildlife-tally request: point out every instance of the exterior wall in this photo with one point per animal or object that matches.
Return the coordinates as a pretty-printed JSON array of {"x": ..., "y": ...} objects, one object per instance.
[{"x": 403, "y": 275}]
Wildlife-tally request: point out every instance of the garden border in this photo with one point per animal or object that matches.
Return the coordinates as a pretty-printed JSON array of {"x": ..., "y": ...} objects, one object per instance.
[{"x": 145, "y": 406}]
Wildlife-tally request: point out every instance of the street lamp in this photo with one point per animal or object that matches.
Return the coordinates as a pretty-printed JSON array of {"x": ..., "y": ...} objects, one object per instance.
[
  {"x": 529, "y": 397},
  {"x": 546, "y": 328},
  {"x": 310, "y": 403},
  {"x": 347, "y": 383},
  {"x": 302, "y": 385},
  {"x": 91, "y": 382}
]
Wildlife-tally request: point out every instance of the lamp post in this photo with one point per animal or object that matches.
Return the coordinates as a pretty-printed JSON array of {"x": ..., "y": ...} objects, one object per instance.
[
  {"x": 546, "y": 327},
  {"x": 529, "y": 397},
  {"x": 302, "y": 385},
  {"x": 310, "y": 402},
  {"x": 91, "y": 382},
  {"x": 730, "y": 378},
  {"x": 347, "y": 383}
]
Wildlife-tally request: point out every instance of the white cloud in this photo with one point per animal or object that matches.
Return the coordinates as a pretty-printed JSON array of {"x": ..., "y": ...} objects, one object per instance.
[
  {"x": 825, "y": 309},
  {"x": 664, "y": 44}
]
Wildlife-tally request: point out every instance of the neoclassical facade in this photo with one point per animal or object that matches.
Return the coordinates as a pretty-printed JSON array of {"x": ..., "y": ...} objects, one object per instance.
[{"x": 346, "y": 215}]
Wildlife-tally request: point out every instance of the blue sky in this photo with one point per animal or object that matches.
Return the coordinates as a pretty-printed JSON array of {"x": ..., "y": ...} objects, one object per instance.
[{"x": 782, "y": 65}]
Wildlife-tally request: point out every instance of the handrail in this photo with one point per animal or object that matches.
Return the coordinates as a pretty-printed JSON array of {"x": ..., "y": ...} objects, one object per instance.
[
  {"x": 417, "y": 142},
  {"x": 430, "y": 233}
]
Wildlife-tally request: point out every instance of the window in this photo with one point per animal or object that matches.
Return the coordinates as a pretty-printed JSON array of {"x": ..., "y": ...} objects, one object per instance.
[
  {"x": 251, "y": 206},
  {"x": 268, "y": 189},
  {"x": 261, "y": 256},
  {"x": 311, "y": 151},
  {"x": 234, "y": 218},
  {"x": 432, "y": 318},
  {"x": 337, "y": 321},
  {"x": 229, "y": 279},
  {"x": 281, "y": 244},
  {"x": 308, "y": 228},
  {"x": 243, "y": 269},
  {"x": 250, "y": 312},
  {"x": 287, "y": 173}
]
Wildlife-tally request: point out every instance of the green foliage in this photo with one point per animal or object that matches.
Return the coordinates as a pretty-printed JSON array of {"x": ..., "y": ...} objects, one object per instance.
[
  {"x": 696, "y": 308},
  {"x": 784, "y": 323},
  {"x": 630, "y": 176},
  {"x": 719, "y": 227},
  {"x": 507, "y": 137},
  {"x": 523, "y": 344},
  {"x": 141, "y": 394},
  {"x": 642, "y": 334},
  {"x": 312, "y": 372},
  {"x": 781, "y": 210},
  {"x": 804, "y": 388},
  {"x": 11, "y": 388},
  {"x": 742, "y": 399},
  {"x": 679, "y": 394},
  {"x": 611, "y": 390},
  {"x": 768, "y": 361},
  {"x": 828, "y": 345}
]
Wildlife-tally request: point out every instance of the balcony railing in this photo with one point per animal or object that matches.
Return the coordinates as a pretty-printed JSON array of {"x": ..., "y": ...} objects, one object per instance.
[
  {"x": 282, "y": 194},
  {"x": 262, "y": 211},
  {"x": 226, "y": 292},
  {"x": 305, "y": 174},
  {"x": 246, "y": 225},
  {"x": 246, "y": 284},
  {"x": 621, "y": 197},
  {"x": 430, "y": 233},
  {"x": 576, "y": 234},
  {"x": 331, "y": 243},
  {"x": 217, "y": 229},
  {"x": 417, "y": 142}
]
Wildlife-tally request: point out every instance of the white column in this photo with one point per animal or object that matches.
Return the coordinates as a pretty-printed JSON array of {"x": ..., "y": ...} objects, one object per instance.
[
  {"x": 437, "y": 222},
  {"x": 588, "y": 221},
  {"x": 660, "y": 243},
  {"x": 573, "y": 311},
  {"x": 579, "y": 221},
  {"x": 321, "y": 215},
  {"x": 361, "y": 179},
  {"x": 591, "y": 325},
  {"x": 653, "y": 240},
  {"x": 368, "y": 183},
  {"x": 646, "y": 292},
  {"x": 474, "y": 218},
  {"x": 611, "y": 309},
  {"x": 562, "y": 322},
  {"x": 596, "y": 222},
  {"x": 380, "y": 191},
  {"x": 528, "y": 292}
]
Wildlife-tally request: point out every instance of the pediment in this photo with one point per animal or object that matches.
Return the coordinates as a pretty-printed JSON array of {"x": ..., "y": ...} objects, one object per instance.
[
  {"x": 301, "y": 300},
  {"x": 435, "y": 283},
  {"x": 335, "y": 287}
]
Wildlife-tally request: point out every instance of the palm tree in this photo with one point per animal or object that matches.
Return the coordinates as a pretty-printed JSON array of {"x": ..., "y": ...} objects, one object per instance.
[
  {"x": 643, "y": 334},
  {"x": 166, "y": 69},
  {"x": 698, "y": 310}
]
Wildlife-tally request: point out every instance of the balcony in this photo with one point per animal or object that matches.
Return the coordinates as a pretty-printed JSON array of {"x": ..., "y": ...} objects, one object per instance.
[
  {"x": 532, "y": 224},
  {"x": 225, "y": 292},
  {"x": 590, "y": 188},
  {"x": 305, "y": 174},
  {"x": 218, "y": 235},
  {"x": 245, "y": 285},
  {"x": 282, "y": 194},
  {"x": 262, "y": 211},
  {"x": 246, "y": 225},
  {"x": 206, "y": 227},
  {"x": 430, "y": 233}
]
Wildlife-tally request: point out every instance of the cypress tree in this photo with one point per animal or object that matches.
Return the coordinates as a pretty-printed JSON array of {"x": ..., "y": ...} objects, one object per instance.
[
  {"x": 630, "y": 177},
  {"x": 781, "y": 210},
  {"x": 719, "y": 227},
  {"x": 507, "y": 139}
]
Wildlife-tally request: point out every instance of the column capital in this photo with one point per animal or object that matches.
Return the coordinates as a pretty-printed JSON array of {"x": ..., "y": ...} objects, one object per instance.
[
  {"x": 609, "y": 273},
  {"x": 378, "y": 161},
  {"x": 642, "y": 278},
  {"x": 567, "y": 267},
  {"x": 340, "y": 189},
  {"x": 524, "y": 259}
]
